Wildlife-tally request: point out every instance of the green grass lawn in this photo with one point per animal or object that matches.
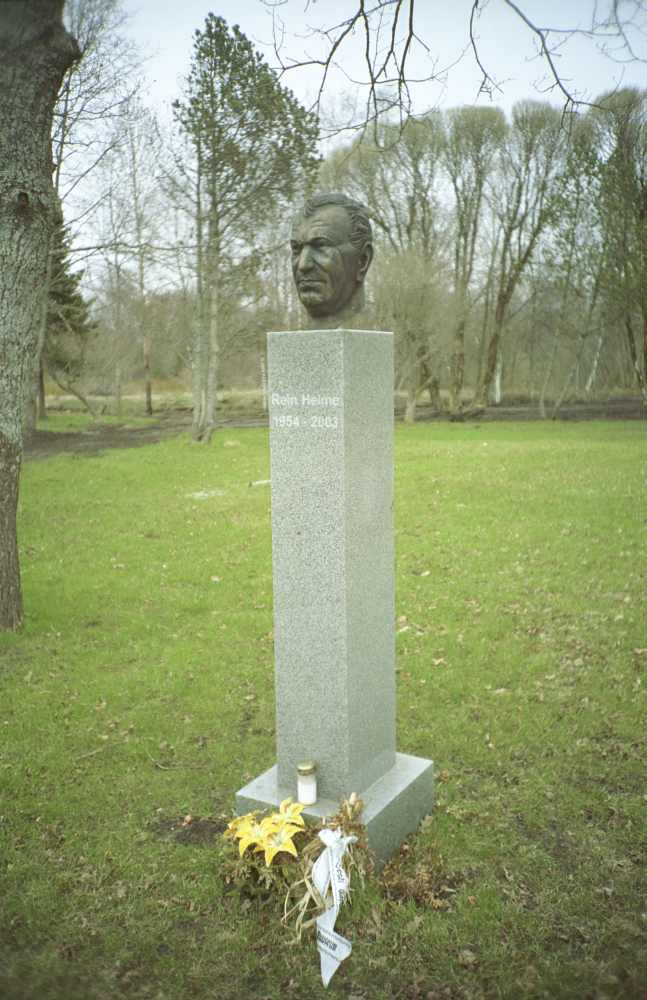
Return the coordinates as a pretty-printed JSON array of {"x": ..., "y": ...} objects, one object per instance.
[{"x": 141, "y": 690}]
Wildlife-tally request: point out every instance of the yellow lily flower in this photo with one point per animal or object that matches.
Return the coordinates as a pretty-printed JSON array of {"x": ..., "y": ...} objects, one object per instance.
[
  {"x": 237, "y": 822},
  {"x": 253, "y": 832},
  {"x": 279, "y": 839},
  {"x": 267, "y": 827},
  {"x": 291, "y": 811}
]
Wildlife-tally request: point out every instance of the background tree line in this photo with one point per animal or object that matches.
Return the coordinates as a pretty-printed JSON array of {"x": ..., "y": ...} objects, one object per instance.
[
  {"x": 182, "y": 225},
  {"x": 511, "y": 251}
]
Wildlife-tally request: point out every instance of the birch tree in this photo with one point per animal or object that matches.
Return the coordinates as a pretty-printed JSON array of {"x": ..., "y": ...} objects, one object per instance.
[
  {"x": 35, "y": 52},
  {"x": 253, "y": 147}
]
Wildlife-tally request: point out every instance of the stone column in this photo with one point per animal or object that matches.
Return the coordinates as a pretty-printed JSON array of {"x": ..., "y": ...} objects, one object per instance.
[{"x": 330, "y": 395}]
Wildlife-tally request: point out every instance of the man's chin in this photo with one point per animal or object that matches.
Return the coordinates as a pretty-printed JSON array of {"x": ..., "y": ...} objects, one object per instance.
[{"x": 313, "y": 299}]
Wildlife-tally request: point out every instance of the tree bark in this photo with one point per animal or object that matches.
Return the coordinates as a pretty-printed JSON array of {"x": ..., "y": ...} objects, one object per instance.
[
  {"x": 146, "y": 353},
  {"x": 10, "y": 593},
  {"x": 198, "y": 361},
  {"x": 211, "y": 388},
  {"x": 35, "y": 51},
  {"x": 588, "y": 387},
  {"x": 42, "y": 398},
  {"x": 117, "y": 390},
  {"x": 497, "y": 383},
  {"x": 548, "y": 376},
  {"x": 644, "y": 325},
  {"x": 641, "y": 381},
  {"x": 482, "y": 396},
  {"x": 458, "y": 364},
  {"x": 410, "y": 405}
]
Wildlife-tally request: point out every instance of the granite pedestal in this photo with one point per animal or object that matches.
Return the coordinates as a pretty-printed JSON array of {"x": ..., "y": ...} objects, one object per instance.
[{"x": 330, "y": 395}]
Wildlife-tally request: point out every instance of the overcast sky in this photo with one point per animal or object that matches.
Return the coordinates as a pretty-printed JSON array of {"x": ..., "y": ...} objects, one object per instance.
[{"x": 164, "y": 31}]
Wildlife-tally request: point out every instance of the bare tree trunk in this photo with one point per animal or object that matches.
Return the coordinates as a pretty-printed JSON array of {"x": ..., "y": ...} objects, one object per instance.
[
  {"x": 211, "y": 386},
  {"x": 483, "y": 390},
  {"x": 588, "y": 387},
  {"x": 644, "y": 317},
  {"x": 410, "y": 405},
  {"x": 573, "y": 374},
  {"x": 145, "y": 337},
  {"x": 418, "y": 377},
  {"x": 10, "y": 592},
  {"x": 548, "y": 376},
  {"x": 635, "y": 363},
  {"x": 33, "y": 408},
  {"x": 199, "y": 361},
  {"x": 433, "y": 387},
  {"x": 531, "y": 354},
  {"x": 69, "y": 387},
  {"x": 497, "y": 383},
  {"x": 146, "y": 354},
  {"x": 117, "y": 389},
  {"x": 480, "y": 361},
  {"x": 568, "y": 383},
  {"x": 479, "y": 402},
  {"x": 511, "y": 372},
  {"x": 35, "y": 51},
  {"x": 42, "y": 398},
  {"x": 200, "y": 342},
  {"x": 30, "y": 411},
  {"x": 457, "y": 365}
]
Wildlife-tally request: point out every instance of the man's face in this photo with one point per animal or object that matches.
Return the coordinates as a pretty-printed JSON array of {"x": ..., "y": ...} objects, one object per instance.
[{"x": 327, "y": 268}]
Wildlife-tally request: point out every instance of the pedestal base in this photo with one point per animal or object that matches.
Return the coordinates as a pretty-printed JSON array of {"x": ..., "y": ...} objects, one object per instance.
[{"x": 394, "y": 805}]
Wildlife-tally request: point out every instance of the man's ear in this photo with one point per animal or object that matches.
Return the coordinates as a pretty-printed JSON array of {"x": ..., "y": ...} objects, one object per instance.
[{"x": 365, "y": 259}]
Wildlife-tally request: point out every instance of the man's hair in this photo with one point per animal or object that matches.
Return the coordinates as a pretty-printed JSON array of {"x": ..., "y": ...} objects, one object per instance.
[{"x": 360, "y": 224}]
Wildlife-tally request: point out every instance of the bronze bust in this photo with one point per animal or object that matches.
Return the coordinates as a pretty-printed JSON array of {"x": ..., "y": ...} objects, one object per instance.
[{"x": 332, "y": 248}]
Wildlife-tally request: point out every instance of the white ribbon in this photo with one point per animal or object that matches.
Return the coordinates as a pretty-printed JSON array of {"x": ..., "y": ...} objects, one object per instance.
[{"x": 331, "y": 880}]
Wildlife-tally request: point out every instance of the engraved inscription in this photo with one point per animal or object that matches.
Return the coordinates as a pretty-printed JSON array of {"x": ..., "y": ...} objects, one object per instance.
[{"x": 303, "y": 401}]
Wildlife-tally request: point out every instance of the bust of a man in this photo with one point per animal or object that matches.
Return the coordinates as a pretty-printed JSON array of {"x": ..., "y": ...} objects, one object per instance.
[{"x": 332, "y": 248}]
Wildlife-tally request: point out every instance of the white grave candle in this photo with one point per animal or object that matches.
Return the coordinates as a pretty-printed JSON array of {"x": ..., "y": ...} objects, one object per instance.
[{"x": 307, "y": 783}]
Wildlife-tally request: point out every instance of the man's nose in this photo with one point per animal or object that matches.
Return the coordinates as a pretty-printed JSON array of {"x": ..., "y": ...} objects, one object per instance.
[{"x": 305, "y": 260}]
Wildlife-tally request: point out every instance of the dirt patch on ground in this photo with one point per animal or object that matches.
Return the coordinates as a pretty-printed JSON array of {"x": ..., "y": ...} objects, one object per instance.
[
  {"x": 45, "y": 444},
  {"x": 611, "y": 409},
  {"x": 199, "y": 831}
]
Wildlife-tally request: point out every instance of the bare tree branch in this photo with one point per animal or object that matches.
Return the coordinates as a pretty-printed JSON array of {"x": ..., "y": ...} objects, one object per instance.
[{"x": 388, "y": 34}]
